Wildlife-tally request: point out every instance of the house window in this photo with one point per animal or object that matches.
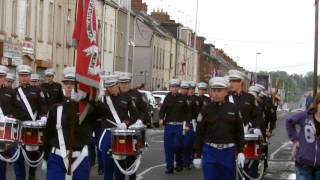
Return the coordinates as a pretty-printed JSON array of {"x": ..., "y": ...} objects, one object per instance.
[
  {"x": 69, "y": 29},
  {"x": 50, "y": 22},
  {"x": 110, "y": 38},
  {"x": 154, "y": 57},
  {"x": 14, "y": 17},
  {"x": 41, "y": 12},
  {"x": 158, "y": 57},
  {"x": 106, "y": 37},
  {"x": 59, "y": 29},
  {"x": 164, "y": 52},
  {"x": 28, "y": 19},
  {"x": 2, "y": 15}
]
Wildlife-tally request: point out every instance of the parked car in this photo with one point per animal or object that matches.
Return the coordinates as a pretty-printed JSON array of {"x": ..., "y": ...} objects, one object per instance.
[
  {"x": 159, "y": 96},
  {"x": 153, "y": 109}
]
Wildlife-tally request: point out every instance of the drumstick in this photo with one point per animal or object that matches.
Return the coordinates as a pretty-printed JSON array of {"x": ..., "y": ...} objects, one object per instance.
[{"x": 113, "y": 123}]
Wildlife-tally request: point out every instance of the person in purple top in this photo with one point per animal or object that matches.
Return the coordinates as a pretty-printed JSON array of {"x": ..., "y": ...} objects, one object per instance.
[{"x": 306, "y": 142}]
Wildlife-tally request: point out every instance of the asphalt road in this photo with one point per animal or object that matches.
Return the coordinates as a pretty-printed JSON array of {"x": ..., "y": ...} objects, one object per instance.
[{"x": 152, "y": 167}]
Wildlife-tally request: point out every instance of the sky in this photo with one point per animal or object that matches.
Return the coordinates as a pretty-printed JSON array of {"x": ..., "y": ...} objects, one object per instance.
[{"x": 280, "y": 31}]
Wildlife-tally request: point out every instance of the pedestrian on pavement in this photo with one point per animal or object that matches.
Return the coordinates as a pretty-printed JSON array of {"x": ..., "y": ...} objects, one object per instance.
[
  {"x": 173, "y": 114},
  {"x": 309, "y": 100},
  {"x": 306, "y": 143},
  {"x": 219, "y": 135}
]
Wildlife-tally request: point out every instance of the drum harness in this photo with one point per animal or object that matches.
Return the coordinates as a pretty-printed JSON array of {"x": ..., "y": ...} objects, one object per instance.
[
  {"x": 16, "y": 155},
  {"x": 242, "y": 173},
  {"x": 134, "y": 167},
  {"x": 32, "y": 163},
  {"x": 62, "y": 152}
]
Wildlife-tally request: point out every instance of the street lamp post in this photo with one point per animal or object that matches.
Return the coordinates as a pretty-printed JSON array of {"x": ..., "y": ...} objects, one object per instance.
[
  {"x": 256, "y": 69},
  {"x": 315, "y": 75}
]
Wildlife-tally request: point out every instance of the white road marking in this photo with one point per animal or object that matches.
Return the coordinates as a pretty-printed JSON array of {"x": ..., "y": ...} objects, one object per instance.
[
  {"x": 277, "y": 150},
  {"x": 140, "y": 175},
  {"x": 153, "y": 139}
]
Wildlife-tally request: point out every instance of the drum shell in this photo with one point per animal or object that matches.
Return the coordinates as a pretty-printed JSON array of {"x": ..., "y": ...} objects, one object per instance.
[
  {"x": 9, "y": 132},
  {"x": 125, "y": 142},
  {"x": 142, "y": 141},
  {"x": 32, "y": 133},
  {"x": 253, "y": 148}
]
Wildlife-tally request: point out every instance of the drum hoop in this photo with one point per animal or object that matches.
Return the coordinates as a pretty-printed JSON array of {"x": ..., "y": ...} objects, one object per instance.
[
  {"x": 33, "y": 125},
  {"x": 7, "y": 140},
  {"x": 123, "y": 132},
  {"x": 10, "y": 121}
]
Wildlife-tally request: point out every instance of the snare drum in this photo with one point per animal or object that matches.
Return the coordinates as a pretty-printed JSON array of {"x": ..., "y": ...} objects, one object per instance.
[
  {"x": 142, "y": 140},
  {"x": 253, "y": 148},
  {"x": 126, "y": 142},
  {"x": 32, "y": 133},
  {"x": 9, "y": 131}
]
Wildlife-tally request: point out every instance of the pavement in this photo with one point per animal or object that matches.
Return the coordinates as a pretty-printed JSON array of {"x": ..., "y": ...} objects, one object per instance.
[{"x": 281, "y": 165}]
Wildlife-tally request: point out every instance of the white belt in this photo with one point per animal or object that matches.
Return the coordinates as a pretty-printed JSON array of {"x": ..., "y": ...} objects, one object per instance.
[
  {"x": 175, "y": 123},
  {"x": 78, "y": 155},
  {"x": 221, "y": 146},
  {"x": 75, "y": 154}
]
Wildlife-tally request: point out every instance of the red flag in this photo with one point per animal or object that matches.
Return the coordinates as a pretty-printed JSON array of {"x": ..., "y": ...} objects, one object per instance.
[{"x": 87, "y": 64}]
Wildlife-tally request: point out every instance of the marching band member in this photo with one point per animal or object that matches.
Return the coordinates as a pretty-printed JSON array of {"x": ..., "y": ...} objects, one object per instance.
[
  {"x": 173, "y": 113},
  {"x": 194, "y": 103},
  {"x": 269, "y": 117},
  {"x": 7, "y": 108},
  {"x": 140, "y": 102},
  {"x": 57, "y": 136},
  {"x": 247, "y": 105},
  {"x": 243, "y": 100},
  {"x": 32, "y": 106},
  {"x": 202, "y": 89},
  {"x": 10, "y": 78},
  {"x": 52, "y": 90},
  {"x": 116, "y": 110},
  {"x": 35, "y": 80},
  {"x": 137, "y": 97},
  {"x": 219, "y": 135}
]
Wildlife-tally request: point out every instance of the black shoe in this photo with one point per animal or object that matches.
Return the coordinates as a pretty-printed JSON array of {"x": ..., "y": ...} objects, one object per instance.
[
  {"x": 187, "y": 167},
  {"x": 169, "y": 171},
  {"x": 100, "y": 171},
  {"x": 179, "y": 168},
  {"x": 266, "y": 164},
  {"x": 32, "y": 178}
]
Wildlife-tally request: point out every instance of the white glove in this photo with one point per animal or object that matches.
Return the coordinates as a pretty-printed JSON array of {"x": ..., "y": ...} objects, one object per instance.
[
  {"x": 44, "y": 165},
  {"x": 184, "y": 128},
  {"x": 138, "y": 124},
  {"x": 197, "y": 163},
  {"x": 194, "y": 125},
  {"x": 102, "y": 93},
  {"x": 122, "y": 126},
  {"x": 257, "y": 132},
  {"x": 241, "y": 159},
  {"x": 43, "y": 119},
  {"x": 78, "y": 96},
  {"x": 2, "y": 117}
]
